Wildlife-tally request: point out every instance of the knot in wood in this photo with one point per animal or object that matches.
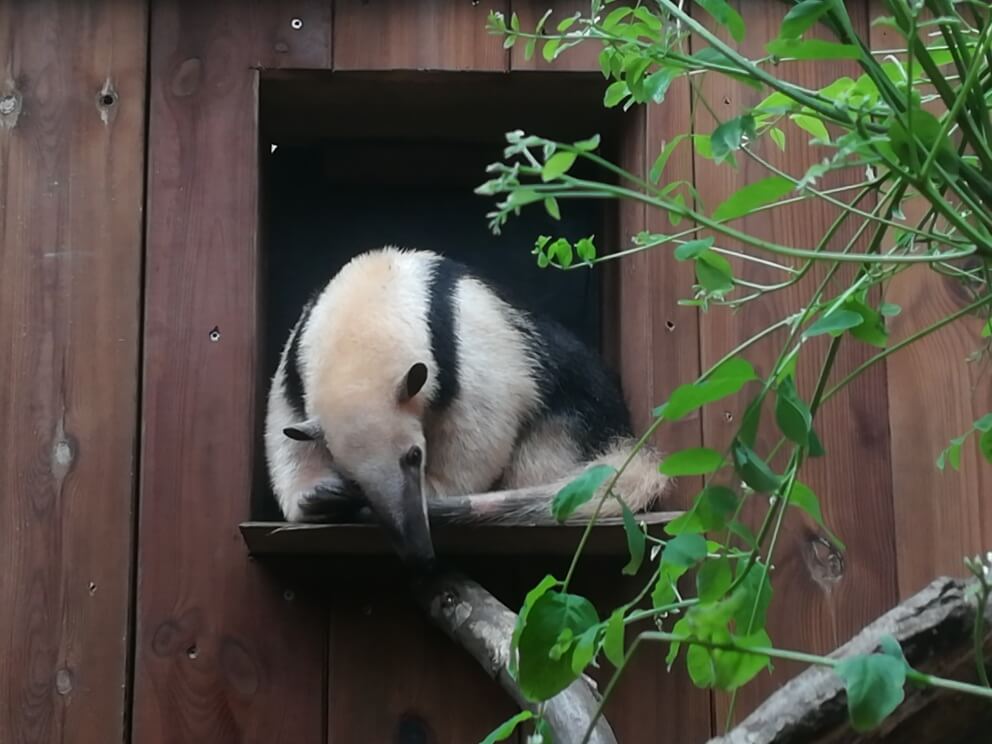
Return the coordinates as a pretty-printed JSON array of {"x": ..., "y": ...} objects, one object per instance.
[
  {"x": 63, "y": 454},
  {"x": 10, "y": 109},
  {"x": 825, "y": 564},
  {"x": 63, "y": 681}
]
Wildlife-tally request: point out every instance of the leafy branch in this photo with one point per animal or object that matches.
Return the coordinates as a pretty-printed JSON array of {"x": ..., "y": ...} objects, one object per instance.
[{"x": 911, "y": 134}]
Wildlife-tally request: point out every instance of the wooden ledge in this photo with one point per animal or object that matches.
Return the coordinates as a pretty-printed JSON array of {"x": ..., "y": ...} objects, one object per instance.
[{"x": 545, "y": 538}]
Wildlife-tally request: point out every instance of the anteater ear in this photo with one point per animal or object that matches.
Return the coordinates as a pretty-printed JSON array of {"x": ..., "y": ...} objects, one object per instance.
[
  {"x": 304, "y": 431},
  {"x": 413, "y": 382}
]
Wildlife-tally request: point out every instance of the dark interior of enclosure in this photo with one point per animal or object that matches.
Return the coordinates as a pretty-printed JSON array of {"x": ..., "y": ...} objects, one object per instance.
[{"x": 352, "y": 162}]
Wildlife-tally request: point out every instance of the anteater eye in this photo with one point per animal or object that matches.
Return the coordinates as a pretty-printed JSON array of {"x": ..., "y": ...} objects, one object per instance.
[{"x": 413, "y": 457}]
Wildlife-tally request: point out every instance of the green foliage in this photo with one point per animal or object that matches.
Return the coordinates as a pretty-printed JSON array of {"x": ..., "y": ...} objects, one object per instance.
[
  {"x": 554, "y": 622},
  {"x": 874, "y": 685},
  {"x": 897, "y": 130},
  {"x": 693, "y": 461},
  {"x": 952, "y": 453},
  {"x": 747, "y": 199},
  {"x": 579, "y": 491},
  {"x": 506, "y": 729}
]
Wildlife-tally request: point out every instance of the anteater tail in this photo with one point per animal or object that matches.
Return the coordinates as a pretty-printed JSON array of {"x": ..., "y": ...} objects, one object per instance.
[{"x": 640, "y": 485}]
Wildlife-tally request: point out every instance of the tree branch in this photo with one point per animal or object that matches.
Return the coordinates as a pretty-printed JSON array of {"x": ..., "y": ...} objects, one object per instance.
[
  {"x": 934, "y": 628},
  {"x": 483, "y": 626}
]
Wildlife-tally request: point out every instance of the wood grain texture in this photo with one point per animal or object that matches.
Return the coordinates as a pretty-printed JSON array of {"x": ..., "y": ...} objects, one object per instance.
[
  {"x": 221, "y": 654},
  {"x": 393, "y": 676},
  {"x": 585, "y": 56},
  {"x": 70, "y": 257},
  {"x": 426, "y": 35},
  {"x": 658, "y": 349},
  {"x": 821, "y": 596},
  {"x": 934, "y": 396}
]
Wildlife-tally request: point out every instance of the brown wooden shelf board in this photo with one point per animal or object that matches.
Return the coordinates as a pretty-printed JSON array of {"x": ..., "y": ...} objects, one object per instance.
[{"x": 284, "y": 538}]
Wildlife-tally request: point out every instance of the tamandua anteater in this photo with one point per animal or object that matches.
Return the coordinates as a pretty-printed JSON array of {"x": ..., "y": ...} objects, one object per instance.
[{"x": 408, "y": 378}]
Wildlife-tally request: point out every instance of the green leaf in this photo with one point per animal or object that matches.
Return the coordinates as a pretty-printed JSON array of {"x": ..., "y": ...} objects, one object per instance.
[
  {"x": 726, "y": 16},
  {"x": 752, "y": 196},
  {"x": 742, "y": 531},
  {"x": 984, "y": 423},
  {"x": 730, "y": 135},
  {"x": 874, "y": 684},
  {"x": 815, "y": 445},
  {"x": 711, "y": 57},
  {"x": 694, "y": 461},
  {"x": 802, "y": 497},
  {"x": 692, "y": 248},
  {"x": 585, "y": 650},
  {"x": 615, "y": 93},
  {"x": 684, "y": 551},
  {"x": 529, "y": 49},
  {"x": 753, "y": 470},
  {"x": 635, "y": 541},
  {"x": 663, "y": 593},
  {"x": 666, "y": 153},
  {"x": 801, "y": 16},
  {"x": 985, "y": 445},
  {"x": 586, "y": 249},
  {"x": 557, "y": 165},
  {"x": 812, "y": 125},
  {"x": 699, "y": 664},
  {"x": 835, "y": 323},
  {"x": 656, "y": 84},
  {"x": 724, "y": 381},
  {"x": 506, "y": 729},
  {"x": 890, "y": 647},
  {"x": 702, "y": 145},
  {"x": 551, "y": 205},
  {"x": 792, "y": 414},
  {"x": 952, "y": 454},
  {"x": 613, "y": 640},
  {"x": 614, "y": 18},
  {"x": 587, "y": 145},
  {"x": 579, "y": 491},
  {"x": 681, "y": 628},
  {"x": 541, "y": 676},
  {"x": 713, "y": 272},
  {"x": 924, "y": 128},
  {"x": 713, "y": 579},
  {"x": 532, "y": 596},
  {"x": 890, "y": 310},
  {"x": 778, "y": 137},
  {"x": 736, "y": 668},
  {"x": 550, "y": 49},
  {"x": 522, "y": 197},
  {"x": 871, "y": 330},
  {"x": 812, "y": 49},
  {"x": 751, "y": 597},
  {"x": 713, "y": 507},
  {"x": 987, "y": 328}
]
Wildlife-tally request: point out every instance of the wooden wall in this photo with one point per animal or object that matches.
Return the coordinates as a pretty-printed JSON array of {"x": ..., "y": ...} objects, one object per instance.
[{"x": 129, "y": 315}]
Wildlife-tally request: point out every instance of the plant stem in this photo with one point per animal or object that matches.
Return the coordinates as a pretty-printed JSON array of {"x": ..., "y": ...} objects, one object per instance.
[
  {"x": 814, "y": 660},
  {"x": 922, "y": 333}
]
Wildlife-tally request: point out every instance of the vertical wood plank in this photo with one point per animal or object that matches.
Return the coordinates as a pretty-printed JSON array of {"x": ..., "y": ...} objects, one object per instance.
[
  {"x": 821, "y": 597},
  {"x": 224, "y": 653},
  {"x": 934, "y": 396},
  {"x": 426, "y": 35},
  {"x": 71, "y": 175},
  {"x": 395, "y": 677},
  {"x": 658, "y": 350},
  {"x": 584, "y": 57}
]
